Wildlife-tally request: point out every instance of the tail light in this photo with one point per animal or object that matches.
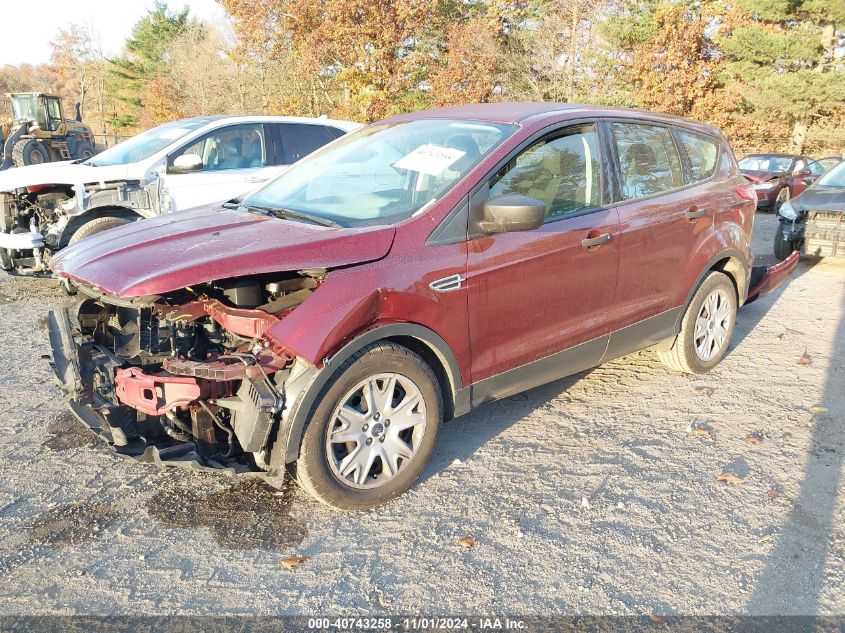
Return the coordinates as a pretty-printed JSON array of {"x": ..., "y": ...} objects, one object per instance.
[
  {"x": 746, "y": 192},
  {"x": 36, "y": 188}
]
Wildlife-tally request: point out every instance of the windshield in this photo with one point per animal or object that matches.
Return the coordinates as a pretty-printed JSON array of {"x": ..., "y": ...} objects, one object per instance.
[
  {"x": 382, "y": 173},
  {"x": 145, "y": 144},
  {"x": 772, "y": 164},
  {"x": 834, "y": 178},
  {"x": 25, "y": 107}
]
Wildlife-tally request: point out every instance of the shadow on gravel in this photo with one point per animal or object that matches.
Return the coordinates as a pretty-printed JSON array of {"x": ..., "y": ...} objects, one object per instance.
[
  {"x": 793, "y": 579},
  {"x": 67, "y": 432},
  {"x": 248, "y": 515},
  {"x": 749, "y": 316}
]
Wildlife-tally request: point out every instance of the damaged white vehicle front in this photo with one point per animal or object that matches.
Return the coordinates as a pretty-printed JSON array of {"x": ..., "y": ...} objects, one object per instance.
[{"x": 195, "y": 163}]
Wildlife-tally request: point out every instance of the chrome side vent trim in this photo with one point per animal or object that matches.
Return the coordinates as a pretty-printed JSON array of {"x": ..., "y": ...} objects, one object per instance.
[{"x": 447, "y": 284}]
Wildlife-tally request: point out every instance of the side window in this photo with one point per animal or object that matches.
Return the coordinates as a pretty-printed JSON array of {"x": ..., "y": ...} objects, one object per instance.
[
  {"x": 562, "y": 171},
  {"x": 702, "y": 154},
  {"x": 800, "y": 165},
  {"x": 816, "y": 168},
  {"x": 648, "y": 159},
  {"x": 234, "y": 147},
  {"x": 300, "y": 139},
  {"x": 54, "y": 114}
]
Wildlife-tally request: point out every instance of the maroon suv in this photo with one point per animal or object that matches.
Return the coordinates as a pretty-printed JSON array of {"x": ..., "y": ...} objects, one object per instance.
[{"x": 401, "y": 276}]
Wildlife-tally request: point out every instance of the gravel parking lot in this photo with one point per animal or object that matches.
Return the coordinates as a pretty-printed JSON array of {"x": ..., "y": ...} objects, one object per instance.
[{"x": 597, "y": 494}]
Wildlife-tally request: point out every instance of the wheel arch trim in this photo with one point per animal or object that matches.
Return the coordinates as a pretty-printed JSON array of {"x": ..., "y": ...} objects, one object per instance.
[{"x": 304, "y": 386}]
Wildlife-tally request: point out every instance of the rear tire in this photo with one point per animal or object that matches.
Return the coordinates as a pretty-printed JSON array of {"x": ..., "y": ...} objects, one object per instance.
[
  {"x": 84, "y": 150},
  {"x": 783, "y": 248},
  {"x": 97, "y": 225},
  {"x": 326, "y": 467},
  {"x": 30, "y": 151},
  {"x": 700, "y": 346}
]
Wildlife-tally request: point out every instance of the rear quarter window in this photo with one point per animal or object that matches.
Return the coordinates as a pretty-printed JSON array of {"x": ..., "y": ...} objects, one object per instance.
[
  {"x": 702, "y": 154},
  {"x": 300, "y": 139},
  {"x": 649, "y": 162}
]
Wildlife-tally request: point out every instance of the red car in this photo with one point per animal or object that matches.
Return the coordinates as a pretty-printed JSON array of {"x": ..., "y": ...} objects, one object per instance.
[
  {"x": 778, "y": 178},
  {"x": 401, "y": 276}
]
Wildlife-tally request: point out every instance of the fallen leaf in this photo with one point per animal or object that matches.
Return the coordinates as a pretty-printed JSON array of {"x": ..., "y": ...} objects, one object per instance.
[
  {"x": 703, "y": 389},
  {"x": 817, "y": 409},
  {"x": 805, "y": 359},
  {"x": 791, "y": 331},
  {"x": 764, "y": 538},
  {"x": 658, "y": 618},
  {"x": 292, "y": 562},
  {"x": 467, "y": 541},
  {"x": 702, "y": 430},
  {"x": 754, "y": 438},
  {"x": 774, "y": 493},
  {"x": 729, "y": 478}
]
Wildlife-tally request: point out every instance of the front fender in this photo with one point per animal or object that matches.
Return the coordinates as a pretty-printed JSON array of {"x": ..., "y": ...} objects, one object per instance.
[{"x": 306, "y": 382}]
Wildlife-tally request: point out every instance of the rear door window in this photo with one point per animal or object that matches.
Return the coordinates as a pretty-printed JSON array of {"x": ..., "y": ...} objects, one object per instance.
[
  {"x": 702, "y": 154},
  {"x": 648, "y": 160},
  {"x": 300, "y": 139},
  {"x": 563, "y": 171}
]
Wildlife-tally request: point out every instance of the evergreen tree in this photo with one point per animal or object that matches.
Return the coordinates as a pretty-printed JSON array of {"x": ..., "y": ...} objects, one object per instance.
[{"x": 143, "y": 60}]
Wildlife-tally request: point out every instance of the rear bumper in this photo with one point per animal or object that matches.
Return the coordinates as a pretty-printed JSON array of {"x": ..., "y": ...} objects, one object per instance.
[{"x": 765, "y": 280}]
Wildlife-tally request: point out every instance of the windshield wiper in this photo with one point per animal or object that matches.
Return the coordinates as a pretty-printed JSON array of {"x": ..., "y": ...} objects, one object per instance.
[{"x": 279, "y": 212}]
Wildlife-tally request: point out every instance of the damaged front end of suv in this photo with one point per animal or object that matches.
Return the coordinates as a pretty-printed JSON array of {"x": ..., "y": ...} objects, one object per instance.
[{"x": 188, "y": 376}]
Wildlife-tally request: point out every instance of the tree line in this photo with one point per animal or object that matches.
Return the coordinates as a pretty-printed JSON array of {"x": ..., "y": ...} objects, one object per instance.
[{"x": 770, "y": 73}]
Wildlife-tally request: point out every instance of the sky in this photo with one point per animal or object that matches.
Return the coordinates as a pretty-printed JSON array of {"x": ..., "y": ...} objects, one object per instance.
[{"x": 112, "y": 19}]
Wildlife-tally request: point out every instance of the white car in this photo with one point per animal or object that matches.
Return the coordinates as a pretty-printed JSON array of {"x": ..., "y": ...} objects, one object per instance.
[{"x": 193, "y": 163}]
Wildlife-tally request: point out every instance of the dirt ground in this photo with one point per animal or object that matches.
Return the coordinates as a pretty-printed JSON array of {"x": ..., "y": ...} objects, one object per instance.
[{"x": 597, "y": 494}]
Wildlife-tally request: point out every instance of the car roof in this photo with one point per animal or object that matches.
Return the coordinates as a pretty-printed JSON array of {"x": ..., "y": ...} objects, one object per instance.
[
  {"x": 521, "y": 112},
  {"x": 347, "y": 126}
]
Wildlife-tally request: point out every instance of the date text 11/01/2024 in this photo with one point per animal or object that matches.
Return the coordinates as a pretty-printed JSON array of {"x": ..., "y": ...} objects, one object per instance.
[{"x": 417, "y": 624}]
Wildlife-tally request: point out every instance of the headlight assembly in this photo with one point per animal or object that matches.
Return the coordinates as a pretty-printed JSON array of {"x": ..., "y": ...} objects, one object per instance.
[{"x": 787, "y": 211}]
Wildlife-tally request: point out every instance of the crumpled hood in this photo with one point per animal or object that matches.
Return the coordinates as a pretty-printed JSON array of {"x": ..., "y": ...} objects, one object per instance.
[
  {"x": 757, "y": 177},
  {"x": 62, "y": 173},
  {"x": 821, "y": 199},
  {"x": 170, "y": 252}
]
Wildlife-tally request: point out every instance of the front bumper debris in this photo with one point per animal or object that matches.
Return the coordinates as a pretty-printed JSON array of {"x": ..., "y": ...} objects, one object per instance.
[
  {"x": 764, "y": 280},
  {"x": 21, "y": 241},
  {"x": 75, "y": 368}
]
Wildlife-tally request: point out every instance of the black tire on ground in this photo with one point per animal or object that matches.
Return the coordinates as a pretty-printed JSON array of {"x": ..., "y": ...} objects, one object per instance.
[
  {"x": 97, "y": 225},
  {"x": 30, "y": 151},
  {"x": 312, "y": 470},
  {"x": 84, "y": 150},
  {"x": 782, "y": 248},
  {"x": 683, "y": 355}
]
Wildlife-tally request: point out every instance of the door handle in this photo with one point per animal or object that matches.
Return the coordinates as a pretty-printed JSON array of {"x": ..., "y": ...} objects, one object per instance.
[
  {"x": 258, "y": 179},
  {"x": 589, "y": 242},
  {"x": 693, "y": 213}
]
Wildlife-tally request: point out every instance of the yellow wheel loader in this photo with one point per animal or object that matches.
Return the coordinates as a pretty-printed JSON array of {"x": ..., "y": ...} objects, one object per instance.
[{"x": 39, "y": 133}]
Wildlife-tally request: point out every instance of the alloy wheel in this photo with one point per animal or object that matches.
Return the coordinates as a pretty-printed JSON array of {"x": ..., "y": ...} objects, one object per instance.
[
  {"x": 712, "y": 325},
  {"x": 376, "y": 430}
]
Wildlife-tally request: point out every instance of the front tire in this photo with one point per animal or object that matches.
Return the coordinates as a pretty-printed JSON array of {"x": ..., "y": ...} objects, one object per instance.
[
  {"x": 97, "y": 225},
  {"x": 84, "y": 150},
  {"x": 30, "y": 151},
  {"x": 706, "y": 328},
  {"x": 373, "y": 429},
  {"x": 783, "y": 248}
]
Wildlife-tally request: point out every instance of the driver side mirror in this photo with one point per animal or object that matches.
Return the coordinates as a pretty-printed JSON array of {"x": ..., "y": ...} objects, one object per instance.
[
  {"x": 186, "y": 163},
  {"x": 511, "y": 213}
]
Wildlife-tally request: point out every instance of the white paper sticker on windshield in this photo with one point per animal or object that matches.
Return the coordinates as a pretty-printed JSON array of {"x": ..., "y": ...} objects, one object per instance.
[{"x": 429, "y": 159}]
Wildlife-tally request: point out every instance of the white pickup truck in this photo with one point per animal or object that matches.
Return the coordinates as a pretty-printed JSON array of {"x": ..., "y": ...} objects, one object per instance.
[{"x": 186, "y": 164}]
